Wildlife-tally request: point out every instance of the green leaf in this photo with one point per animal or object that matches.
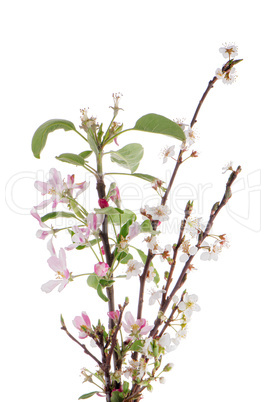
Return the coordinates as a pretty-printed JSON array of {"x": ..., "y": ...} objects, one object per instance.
[
  {"x": 85, "y": 154},
  {"x": 89, "y": 395},
  {"x": 71, "y": 158},
  {"x": 128, "y": 157},
  {"x": 93, "y": 281},
  {"x": 125, "y": 387},
  {"x": 146, "y": 177},
  {"x": 109, "y": 211},
  {"x": 146, "y": 226},
  {"x": 117, "y": 396},
  {"x": 155, "y": 123},
  {"x": 125, "y": 259},
  {"x": 101, "y": 294},
  {"x": 136, "y": 346},
  {"x": 40, "y": 136},
  {"x": 106, "y": 282},
  {"x": 59, "y": 214},
  {"x": 75, "y": 208},
  {"x": 93, "y": 143},
  {"x": 123, "y": 218}
]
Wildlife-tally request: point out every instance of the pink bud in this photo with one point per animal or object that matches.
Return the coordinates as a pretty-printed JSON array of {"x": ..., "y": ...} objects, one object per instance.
[
  {"x": 101, "y": 268},
  {"x": 103, "y": 203},
  {"x": 114, "y": 315}
]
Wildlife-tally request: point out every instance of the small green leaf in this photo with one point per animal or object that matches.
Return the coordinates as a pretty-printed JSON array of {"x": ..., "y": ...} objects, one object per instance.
[
  {"x": 93, "y": 281},
  {"x": 59, "y": 214},
  {"x": 136, "y": 346},
  {"x": 126, "y": 258},
  {"x": 40, "y": 136},
  {"x": 85, "y": 154},
  {"x": 155, "y": 123},
  {"x": 101, "y": 294},
  {"x": 106, "y": 282},
  {"x": 76, "y": 209},
  {"x": 123, "y": 218},
  {"x": 71, "y": 158},
  {"x": 89, "y": 395},
  {"x": 146, "y": 226},
  {"x": 125, "y": 387},
  {"x": 109, "y": 211},
  {"x": 93, "y": 143},
  {"x": 117, "y": 396},
  {"x": 128, "y": 157}
]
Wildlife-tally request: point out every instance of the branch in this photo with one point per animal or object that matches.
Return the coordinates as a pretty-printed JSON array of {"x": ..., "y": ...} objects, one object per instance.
[
  {"x": 202, "y": 236},
  {"x": 64, "y": 328}
]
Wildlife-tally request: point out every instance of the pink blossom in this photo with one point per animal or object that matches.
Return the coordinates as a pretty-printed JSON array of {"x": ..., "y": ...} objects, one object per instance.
[
  {"x": 103, "y": 203},
  {"x": 57, "y": 264},
  {"x": 41, "y": 234},
  {"x": 94, "y": 221},
  {"x": 136, "y": 327},
  {"x": 116, "y": 197},
  {"x": 133, "y": 230},
  {"x": 114, "y": 315},
  {"x": 58, "y": 189},
  {"x": 101, "y": 268},
  {"x": 83, "y": 324},
  {"x": 79, "y": 238}
]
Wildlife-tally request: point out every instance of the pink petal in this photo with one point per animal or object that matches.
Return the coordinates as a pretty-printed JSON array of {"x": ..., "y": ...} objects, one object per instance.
[
  {"x": 42, "y": 187},
  {"x": 86, "y": 319},
  {"x": 129, "y": 318},
  {"x": 51, "y": 248},
  {"x": 49, "y": 286}
]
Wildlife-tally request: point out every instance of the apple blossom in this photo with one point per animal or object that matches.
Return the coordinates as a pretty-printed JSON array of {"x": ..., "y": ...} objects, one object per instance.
[
  {"x": 57, "y": 264},
  {"x": 137, "y": 327},
  {"x": 229, "y": 50},
  {"x": 159, "y": 213},
  {"x": 189, "y": 304},
  {"x": 168, "y": 152},
  {"x": 101, "y": 268},
  {"x": 114, "y": 315},
  {"x": 133, "y": 268},
  {"x": 83, "y": 324},
  {"x": 58, "y": 189}
]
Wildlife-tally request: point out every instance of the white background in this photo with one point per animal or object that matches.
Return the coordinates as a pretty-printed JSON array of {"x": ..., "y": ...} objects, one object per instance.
[{"x": 60, "y": 56}]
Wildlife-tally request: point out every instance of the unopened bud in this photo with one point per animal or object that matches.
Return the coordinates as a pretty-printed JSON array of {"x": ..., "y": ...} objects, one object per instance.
[
  {"x": 168, "y": 367},
  {"x": 228, "y": 193},
  {"x": 215, "y": 207},
  {"x": 189, "y": 208},
  {"x": 149, "y": 387},
  {"x": 194, "y": 154}
]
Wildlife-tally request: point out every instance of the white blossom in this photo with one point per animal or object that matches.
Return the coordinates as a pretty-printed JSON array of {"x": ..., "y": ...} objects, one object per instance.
[
  {"x": 228, "y": 166},
  {"x": 229, "y": 50},
  {"x": 167, "y": 152},
  {"x": 159, "y": 213},
  {"x": 155, "y": 295},
  {"x": 166, "y": 342},
  {"x": 133, "y": 268},
  {"x": 189, "y": 304},
  {"x": 153, "y": 245}
]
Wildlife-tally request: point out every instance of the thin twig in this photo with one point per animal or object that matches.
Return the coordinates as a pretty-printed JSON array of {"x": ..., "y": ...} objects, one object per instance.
[
  {"x": 64, "y": 328},
  {"x": 202, "y": 236}
]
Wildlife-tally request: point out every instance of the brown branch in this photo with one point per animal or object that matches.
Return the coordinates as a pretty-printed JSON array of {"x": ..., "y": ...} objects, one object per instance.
[
  {"x": 209, "y": 87},
  {"x": 64, "y": 328},
  {"x": 202, "y": 236}
]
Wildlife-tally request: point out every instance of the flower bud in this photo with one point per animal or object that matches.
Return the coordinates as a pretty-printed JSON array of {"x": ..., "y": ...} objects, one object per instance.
[{"x": 168, "y": 367}]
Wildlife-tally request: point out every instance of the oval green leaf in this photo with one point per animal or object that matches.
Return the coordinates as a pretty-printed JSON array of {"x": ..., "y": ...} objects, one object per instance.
[
  {"x": 128, "y": 157},
  {"x": 89, "y": 395},
  {"x": 155, "y": 123},
  {"x": 74, "y": 159},
  {"x": 40, "y": 136},
  {"x": 58, "y": 214}
]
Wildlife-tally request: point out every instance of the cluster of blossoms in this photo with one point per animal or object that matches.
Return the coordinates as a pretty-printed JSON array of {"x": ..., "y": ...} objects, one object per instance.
[
  {"x": 134, "y": 346},
  {"x": 227, "y": 75}
]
